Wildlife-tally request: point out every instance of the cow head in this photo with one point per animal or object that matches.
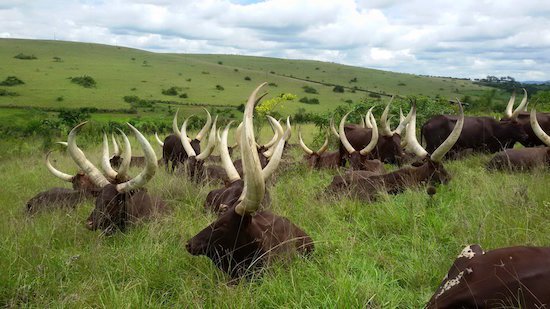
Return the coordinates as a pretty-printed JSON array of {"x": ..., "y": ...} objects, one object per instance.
[
  {"x": 80, "y": 181},
  {"x": 512, "y": 131},
  {"x": 313, "y": 158},
  {"x": 357, "y": 159},
  {"x": 430, "y": 167},
  {"x": 110, "y": 206}
]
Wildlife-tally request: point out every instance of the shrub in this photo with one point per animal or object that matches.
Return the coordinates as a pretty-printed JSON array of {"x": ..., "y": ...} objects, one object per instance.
[
  {"x": 183, "y": 96},
  {"x": 57, "y": 59},
  {"x": 5, "y": 93},
  {"x": 247, "y": 78},
  {"x": 188, "y": 79},
  {"x": 236, "y": 70},
  {"x": 401, "y": 84},
  {"x": 25, "y": 57},
  {"x": 307, "y": 100},
  {"x": 353, "y": 80},
  {"x": 220, "y": 62},
  {"x": 11, "y": 81},
  {"x": 309, "y": 89},
  {"x": 219, "y": 87},
  {"x": 72, "y": 117},
  {"x": 170, "y": 91},
  {"x": 84, "y": 81},
  {"x": 130, "y": 98},
  {"x": 60, "y": 99},
  {"x": 338, "y": 88},
  {"x": 374, "y": 95},
  {"x": 273, "y": 85}
]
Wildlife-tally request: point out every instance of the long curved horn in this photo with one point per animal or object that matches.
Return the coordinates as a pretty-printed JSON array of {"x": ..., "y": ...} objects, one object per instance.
[
  {"x": 289, "y": 129},
  {"x": 161, "y": 143},
  {"x": 510, "y": 106},
  {"x": 105, "y": 164},
  {"x": 206, "y": 127},
  {"x": 384, "y": 124},
  {"x": 363, "y": 125},
  {"x": 150, "y": 165},
  {"x": 254, "y": 184},
  {"x": 521, "y": 106},
  {"x": 211, "y": 142},
  {"x": 403, "y": 121},
  {"x": 373, "y": 139},
  {"x": 116, "y": 146},
  {"x": 175, "y": 127},
  {"x": 343, "y": 137},
  {"x": 63, "y": 143},
  {"x": 80, "y": 159},
  {"x": 303, "y": 145},
  {"x": 440, "y": 152},
  {"x": 275, "y": 130},
  {"x": 55, "y": 172},
  {"x": 275, "y": 158},
  {"x": 185, "y": 140},
  {"x": 412, "y": 144},
  {"x": 332, "y": 128},
  {"x": 279, "y": 133},
  {"x": 537, "y": 129},
  {"x": 368, "y": 124},
  {"x": 227, "y": 164},
  {"x": 126, "y": 156},
  {"x": 324, "y": 147}
]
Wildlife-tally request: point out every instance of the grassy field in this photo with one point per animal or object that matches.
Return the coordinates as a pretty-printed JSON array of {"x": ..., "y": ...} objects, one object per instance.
[
  {"x": 121, "y": 72},
  {"x": 388, "y": 254}
]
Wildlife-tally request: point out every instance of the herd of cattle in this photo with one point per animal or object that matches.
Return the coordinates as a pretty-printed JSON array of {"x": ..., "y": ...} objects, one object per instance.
[{"x": 245, "y": 236}]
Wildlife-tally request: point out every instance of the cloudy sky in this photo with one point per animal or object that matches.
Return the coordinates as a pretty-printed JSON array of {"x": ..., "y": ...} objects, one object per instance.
[{"x": 460, "y": 38}]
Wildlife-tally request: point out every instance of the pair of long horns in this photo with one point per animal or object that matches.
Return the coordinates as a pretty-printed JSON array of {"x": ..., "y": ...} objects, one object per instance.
[
  {"x": 306, "y": 149},
  {"x": 521, "y": 107},
  {"x": 126, "y": 157},
  {"x": 537, "y": 129},
  {"x": 97, "y": 177},
  {"x": 385, "y": 129},
  {"x": 279, "y": 134},
  {"x": 201, "y": 133},
  {"x": 413, "y": 146},
  {"x": 187, "y": 145},
  {"x": 347, "y": 144},
  {"x": 254, "y": 177}
]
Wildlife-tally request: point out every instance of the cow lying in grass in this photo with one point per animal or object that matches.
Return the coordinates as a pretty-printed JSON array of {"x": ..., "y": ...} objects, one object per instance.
[
  {"x": 514, "y": 277},
  {"x": 243, "y": 238}
]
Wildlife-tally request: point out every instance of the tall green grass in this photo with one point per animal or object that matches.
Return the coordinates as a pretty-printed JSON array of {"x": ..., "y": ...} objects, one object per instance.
[{"x": 388, "y": 254}]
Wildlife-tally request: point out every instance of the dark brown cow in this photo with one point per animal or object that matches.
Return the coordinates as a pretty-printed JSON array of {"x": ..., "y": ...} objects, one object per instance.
[
  {"x": 243, "y": 238},
  {"x": 55, "y": 198},
  {"x": 524, "y": 119},
  {"x": 480, "y": 134},
  {"x": 319, "y": 159},
  {"x": 428, "y": 170},
  {"x": 514, "y": 277},
  {"x": 172, "y": 149},
  {"x": 118, "y": 204},
  {"x": 80, "y": 181},
  {"x": 524, "y": 158},
  {"x": 388, "y": 147}
]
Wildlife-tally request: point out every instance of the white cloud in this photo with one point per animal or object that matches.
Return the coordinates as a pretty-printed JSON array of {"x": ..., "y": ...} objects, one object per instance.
[{"x": 451, "y": 38}]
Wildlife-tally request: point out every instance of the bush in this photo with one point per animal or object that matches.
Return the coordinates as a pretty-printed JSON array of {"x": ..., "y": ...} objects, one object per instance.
[
  {"x": 170, "y": 91},
  {"x": 401, "y": 84},
  {"x": 338, "y": 88},
  {"x": 183, "y": 96},
  {"x": 11, "y": 81},
  {"x": 5, "y": 93},
  {"x": 84, "y": 81},
  {"x": 353, "y": 80},
  {"x": 60, "y": 99},
  {"x": 25, "y": 57},
  {"x": 307, "y": 100},
  {"x": 374, "y": 95},
  {"x": 219, "y": 87},
  {"x": 309, "y": 89},
  {"x": 247, "y": 78},
  {"x": 57, "y": 59},
  {"x": 72, "y": 117},
  {"x": 273, "y": 85},
  {"x": 220, "y": 63}
]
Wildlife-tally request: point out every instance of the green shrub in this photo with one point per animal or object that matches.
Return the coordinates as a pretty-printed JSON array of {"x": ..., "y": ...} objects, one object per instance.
[
  {"x": 353, "y": 80},
  {"x": 374, "y": 95},
  {"x": 309, "y": 89},
  {"x": 84, "y": 81},
  {"x": 5, "y": 93},
  {"x": 219, "y": 87},
  {"x": 307, "y": 100},
  {"x": 401, "y": 84},
  {"x": 247, "y": 78},
  {"x": 170, "y": 91},
  {"x": 60, "y": 99},
  {"x": 220, "y": 62},
  {"x": 25, "y": 57},
  {"x": 338, "y": 88},
  {"x": 57, "y": 59},
  {"x": 183, "y": 96},
  {"x": 72, "y": 117},
  {"x": 273, "y": 85},
  {"x": 12, "y": 81}
]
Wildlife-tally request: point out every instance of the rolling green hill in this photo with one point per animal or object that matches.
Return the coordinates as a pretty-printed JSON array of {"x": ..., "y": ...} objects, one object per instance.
[{"x": 120, "y": 72}]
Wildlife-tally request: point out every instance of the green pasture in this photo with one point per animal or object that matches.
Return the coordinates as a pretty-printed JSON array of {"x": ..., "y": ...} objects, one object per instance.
[{"x": 388, "y": 254}]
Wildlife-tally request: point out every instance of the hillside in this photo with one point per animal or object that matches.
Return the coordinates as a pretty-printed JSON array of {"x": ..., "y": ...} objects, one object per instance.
[{"x": 121, "y": 72}]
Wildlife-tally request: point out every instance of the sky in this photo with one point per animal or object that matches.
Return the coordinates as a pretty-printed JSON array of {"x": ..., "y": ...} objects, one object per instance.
[{"x": 459, "y": 38}]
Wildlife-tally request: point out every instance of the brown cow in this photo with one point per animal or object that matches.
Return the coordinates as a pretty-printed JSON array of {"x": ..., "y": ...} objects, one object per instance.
[
  {"x": 55, "y": 198},
  {"x": 80, "y": 181},
  {"x": 429, "y": 169},
  {"x": 172, "y": 149},
  {"x": 319, "y": 159},
  {"x": 122, "y": 203},
  {"x": 243, "y": 239},
  {"x": 524, "y": 158},
  {"x": 514, "y": 277}
]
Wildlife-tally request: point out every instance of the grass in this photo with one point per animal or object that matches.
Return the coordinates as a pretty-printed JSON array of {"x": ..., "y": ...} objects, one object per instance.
[{"x": 391, "y": 253}]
